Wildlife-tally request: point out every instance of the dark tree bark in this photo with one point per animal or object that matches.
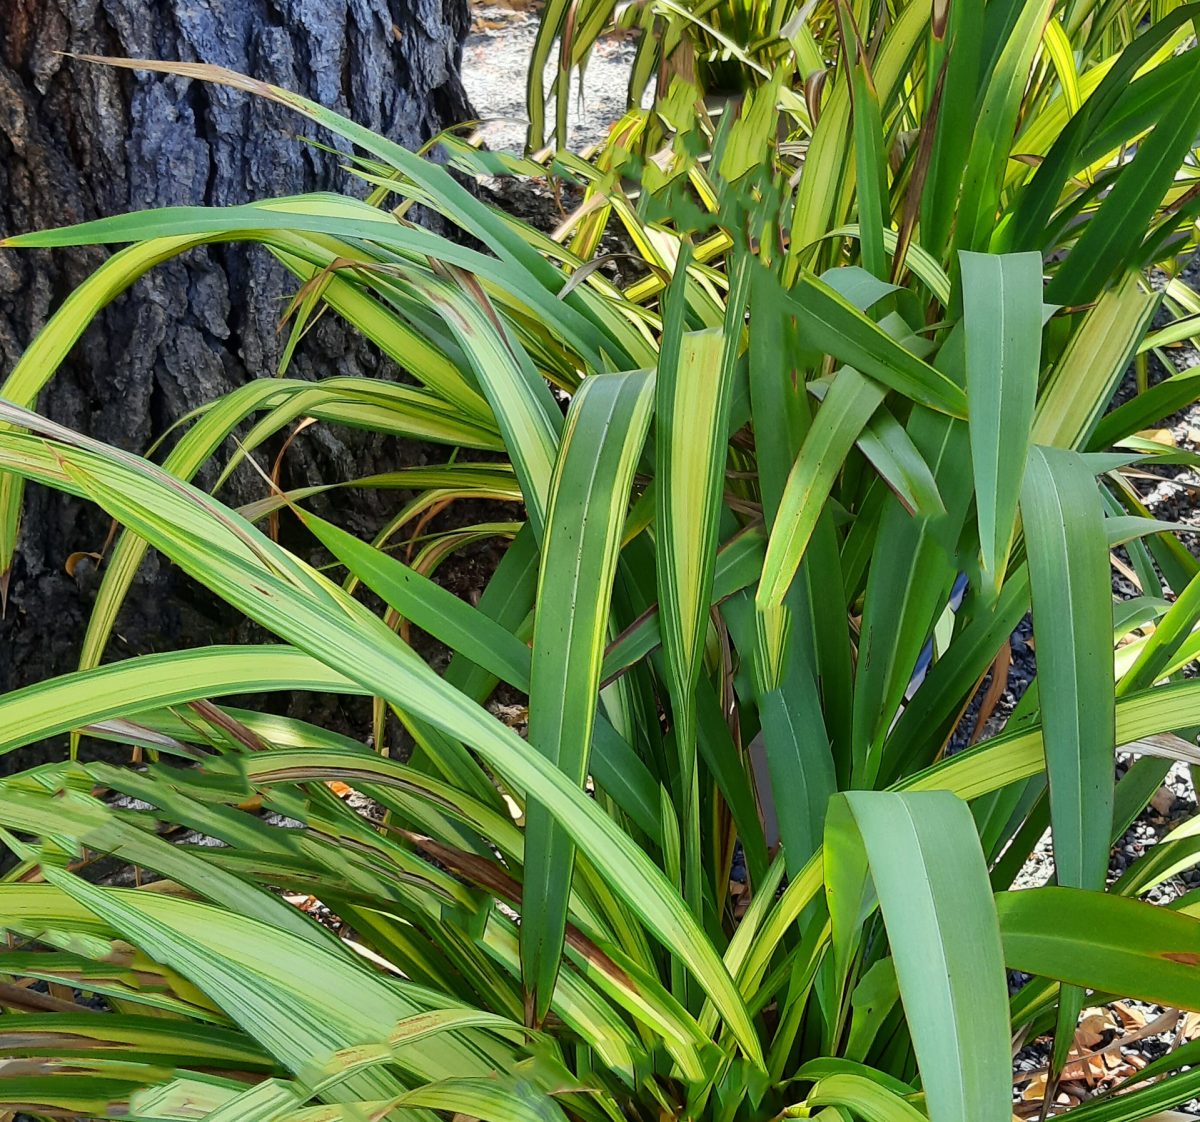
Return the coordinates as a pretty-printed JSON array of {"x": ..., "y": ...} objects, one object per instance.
[{"x": 79, "y": 141}]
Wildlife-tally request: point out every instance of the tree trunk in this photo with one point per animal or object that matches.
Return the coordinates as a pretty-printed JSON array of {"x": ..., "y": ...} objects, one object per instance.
[{"x": 80, "y": 141}]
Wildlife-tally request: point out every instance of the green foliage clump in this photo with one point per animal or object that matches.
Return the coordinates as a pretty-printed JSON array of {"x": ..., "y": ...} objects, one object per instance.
[{"x": 848, "y": 426}]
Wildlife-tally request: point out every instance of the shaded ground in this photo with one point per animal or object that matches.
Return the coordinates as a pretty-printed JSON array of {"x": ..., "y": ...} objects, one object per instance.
[{"x": 495, "y": 61}]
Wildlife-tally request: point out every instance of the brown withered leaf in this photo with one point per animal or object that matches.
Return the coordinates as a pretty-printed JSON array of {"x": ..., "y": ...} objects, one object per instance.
[
  {"x": 1093, "y": 1030},
  {"x": 1036, "y": 1090},
  {"x": 1190, "y": 1029},
  {"x": 1131, "y": 1017}
]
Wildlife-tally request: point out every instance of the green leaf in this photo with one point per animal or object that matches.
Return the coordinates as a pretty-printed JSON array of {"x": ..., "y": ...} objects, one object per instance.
[
  {"x": 78, "y": 816},
  {"x": 912, "y": 571},
  {"x": 497, "y": 1099},
  {"x": 287, "y": 401},
  {"x": 873, "y": 1000},
  {"x": 51, "y": 345},
  {"x": 1035, "y": 206},
  {"x": 602, "y": 443},
  {"x": 929, "y": 717},
  {"x": 520, "y": 399},
  {"x": 825, "y": 191},
  {"x": 265, "y": 1102},
  {"x": 301, "y": 1002},
  {"x": 622, "y": 981},
  {"x": 123, "y": 689},
  {"x": 1072, "y": 607},
  {"x": 738, "y": 565},
  {"x": 342, "y": 217},
  {"x": 156, "y": 1039},
  {"x": 800, "y": 764},
  {"x": 870, "y": 161},
  {"x": 956, "y": 38},
  {"x": 193, "y": 1093},
  {"x": 551, "y": 25},
  {"x": 867, "y": 1099},
  {"x": 694, "y": 388},
  {"x": 846, "y": 409},
  {"x": 1111, "y": 240},
  {"x": 893, "y": 454},
  {"x": 488, "y": 646},
  {"x": 830, "y": 324},
  {"x": 1019, "y": 754},
  {"x": 463, "y": 628},
  {"x": 65, "y": 1092},
  {"x": 994, "y": 126},
  {"x": 919, "y": 261},
  {"x": 1071, "y": 587},
  {"x": 1002, "y": 315},
  {"x": 1171, "y": 632},
  {"x": 931, "y": 881},
  {"x": 1107, "y": 943},
  {"x": 434, "y": 184}
]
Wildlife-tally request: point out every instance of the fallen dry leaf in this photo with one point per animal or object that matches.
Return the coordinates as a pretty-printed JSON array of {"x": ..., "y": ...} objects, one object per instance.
[
  {"x": 72, "y": 562},
  {"x": 1162, "y": 801},
  {"x": 1036, "y": 1091},
  {"x": 1190, "y": 1029},
  {"x": 1131, "y": 1017},
  {"x": 1093, "y": 1030}
]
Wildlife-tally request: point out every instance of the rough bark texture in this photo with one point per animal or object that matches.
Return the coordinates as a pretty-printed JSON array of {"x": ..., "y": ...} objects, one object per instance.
[{"x": 78, "y": 141}]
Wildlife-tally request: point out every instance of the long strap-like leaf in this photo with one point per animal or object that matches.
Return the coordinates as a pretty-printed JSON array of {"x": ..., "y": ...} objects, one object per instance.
[
  {"x": 602, "y": 442},
  {"x": 694, "y": 388},
  {"x": 931, "y": 880},
  {"x": 1002, "y": 310},
  {"x": 846, "y": 409},
  {"x": 1072, "y": 607}
]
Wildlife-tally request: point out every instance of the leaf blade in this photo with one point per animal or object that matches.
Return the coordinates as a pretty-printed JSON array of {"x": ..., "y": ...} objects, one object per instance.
[
  {"x": 602, "y": 442},
  {"x": 931, "y": 880},
  {"x": 1002, "y": 310}
]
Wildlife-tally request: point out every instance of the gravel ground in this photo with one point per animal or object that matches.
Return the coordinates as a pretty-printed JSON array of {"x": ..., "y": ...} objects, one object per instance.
[{"x": 495, "y": 62}]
